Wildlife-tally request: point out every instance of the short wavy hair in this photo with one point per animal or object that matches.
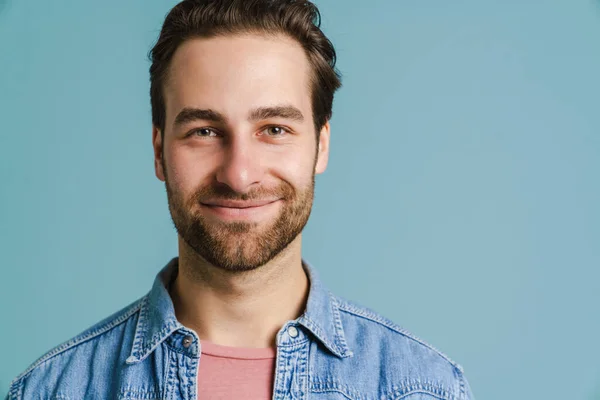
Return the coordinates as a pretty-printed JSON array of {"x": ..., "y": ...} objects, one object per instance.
[{"x": 298, "y": 19}]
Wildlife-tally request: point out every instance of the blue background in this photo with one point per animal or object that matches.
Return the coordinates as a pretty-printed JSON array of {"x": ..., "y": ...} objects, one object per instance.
[{"x": 461, "y": 198}]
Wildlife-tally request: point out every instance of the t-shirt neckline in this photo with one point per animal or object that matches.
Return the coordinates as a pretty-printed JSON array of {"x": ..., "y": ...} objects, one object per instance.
[{"x": 243, "y": 353}]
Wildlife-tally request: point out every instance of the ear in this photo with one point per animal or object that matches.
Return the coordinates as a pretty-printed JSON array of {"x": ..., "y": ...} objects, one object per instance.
[
  {"x": 158, "y": 153},
  {"x": 323, "y": 149}
]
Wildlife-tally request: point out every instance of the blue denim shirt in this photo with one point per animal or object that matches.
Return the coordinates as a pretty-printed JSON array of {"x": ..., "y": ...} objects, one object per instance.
[{"x": 338, "y": 350}]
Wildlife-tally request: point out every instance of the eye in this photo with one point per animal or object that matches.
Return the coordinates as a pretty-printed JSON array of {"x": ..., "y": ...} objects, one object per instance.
[
  {"x": 275, "y": 131},
  {"x": 203, "y": 132}
]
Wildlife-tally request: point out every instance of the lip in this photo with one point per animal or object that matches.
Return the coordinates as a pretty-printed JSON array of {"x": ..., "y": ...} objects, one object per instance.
[
  {"x": 238, "y": 204},
  {"x": 231, "y": 210}
]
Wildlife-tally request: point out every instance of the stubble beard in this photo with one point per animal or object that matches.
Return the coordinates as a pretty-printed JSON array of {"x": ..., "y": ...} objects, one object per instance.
[{"x": 240, "y": 246}]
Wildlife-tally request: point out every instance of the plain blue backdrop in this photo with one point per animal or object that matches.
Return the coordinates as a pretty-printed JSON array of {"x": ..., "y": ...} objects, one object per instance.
[{"x": 461, "y": 200}]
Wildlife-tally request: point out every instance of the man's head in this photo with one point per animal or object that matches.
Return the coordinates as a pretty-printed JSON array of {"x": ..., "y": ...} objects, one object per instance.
[{"x": 241, "y": 94}]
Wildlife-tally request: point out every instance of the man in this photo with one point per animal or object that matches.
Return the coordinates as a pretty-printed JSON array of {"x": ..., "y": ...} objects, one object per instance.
[{"x": 241, "y": 94}]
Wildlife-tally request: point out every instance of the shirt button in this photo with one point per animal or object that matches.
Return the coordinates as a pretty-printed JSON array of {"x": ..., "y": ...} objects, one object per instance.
[
  {"x": 187, "y": 341},
  {"x": 292, "y": 331}
]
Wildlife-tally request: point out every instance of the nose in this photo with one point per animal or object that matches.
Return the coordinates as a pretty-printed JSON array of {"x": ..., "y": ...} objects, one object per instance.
[{"x": 241, "y": 167}]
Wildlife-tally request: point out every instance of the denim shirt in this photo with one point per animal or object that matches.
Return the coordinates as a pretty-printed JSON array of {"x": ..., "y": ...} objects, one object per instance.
[{"x": 334, "y": 350}]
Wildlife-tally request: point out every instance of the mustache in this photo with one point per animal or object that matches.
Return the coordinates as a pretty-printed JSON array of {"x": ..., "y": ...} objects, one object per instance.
[{"x": 223, "y": 192}]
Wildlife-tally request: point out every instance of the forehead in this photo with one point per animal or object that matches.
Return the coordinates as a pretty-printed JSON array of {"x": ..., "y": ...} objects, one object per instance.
[{"x": 232, "y": 74}]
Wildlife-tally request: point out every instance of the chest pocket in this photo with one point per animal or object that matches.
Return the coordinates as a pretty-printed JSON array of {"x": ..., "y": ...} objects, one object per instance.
[
  {"x": 129, "y": 394},
  {"x": 332, "y": 390},
  {"x": 343, "y": 396}
]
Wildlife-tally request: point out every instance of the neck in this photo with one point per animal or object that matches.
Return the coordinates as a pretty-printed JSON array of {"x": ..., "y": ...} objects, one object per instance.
[{"x": 239, "y": 309}]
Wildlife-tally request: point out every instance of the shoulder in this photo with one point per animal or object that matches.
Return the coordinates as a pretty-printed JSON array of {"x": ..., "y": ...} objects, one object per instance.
[
  {"x": 407, "y": 362},
  {"x": 74, "y": 356}
]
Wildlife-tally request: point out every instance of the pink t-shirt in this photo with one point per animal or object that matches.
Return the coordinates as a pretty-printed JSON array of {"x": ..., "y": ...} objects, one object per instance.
[{"x": 235, "y": 372}]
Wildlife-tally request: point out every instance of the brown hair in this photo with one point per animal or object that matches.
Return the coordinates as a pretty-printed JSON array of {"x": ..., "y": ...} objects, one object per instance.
[{"x": 298, "y": 19}]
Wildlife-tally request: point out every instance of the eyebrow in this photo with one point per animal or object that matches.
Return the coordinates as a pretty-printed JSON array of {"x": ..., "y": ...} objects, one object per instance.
[
  {"x": 189, "y": 114},
  {"x": 287, "y": 112},
  {"x": 193, "y": 114}
]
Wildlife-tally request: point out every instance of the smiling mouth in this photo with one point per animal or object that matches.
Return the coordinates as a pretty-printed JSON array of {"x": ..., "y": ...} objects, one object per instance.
[
  {"x": 241, "y": 210},
  {"x": 238, "y": 204}
]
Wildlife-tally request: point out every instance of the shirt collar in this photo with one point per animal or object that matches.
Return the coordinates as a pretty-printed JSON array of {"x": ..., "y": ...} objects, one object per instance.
[
  {"x": 157, "y": 320},
  {"x": 322, "y": 315}
]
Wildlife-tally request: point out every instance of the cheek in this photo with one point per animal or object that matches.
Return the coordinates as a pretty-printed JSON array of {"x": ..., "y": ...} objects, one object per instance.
[
  {"x": 184, "y": 170},
  {"x": 296, "y": 167}
]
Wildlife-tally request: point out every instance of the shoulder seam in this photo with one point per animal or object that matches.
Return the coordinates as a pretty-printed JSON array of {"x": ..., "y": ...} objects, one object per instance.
[
  {"x": 15, "y": 392},
  {"x": 370, "y": 315},
  {"x": 126, "y": 313},
  {"x": 462, "y": 384}
]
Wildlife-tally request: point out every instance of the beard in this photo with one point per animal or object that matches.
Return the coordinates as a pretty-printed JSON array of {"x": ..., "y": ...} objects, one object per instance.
[{"x": 239, "y": 245}]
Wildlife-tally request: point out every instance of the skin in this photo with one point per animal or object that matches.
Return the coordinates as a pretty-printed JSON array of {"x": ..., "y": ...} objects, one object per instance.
[{"x": 240, "y": 273}]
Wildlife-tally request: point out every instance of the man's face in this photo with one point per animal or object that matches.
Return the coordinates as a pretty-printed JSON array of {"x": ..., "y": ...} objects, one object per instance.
[{"x": 239, "y": 152}]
